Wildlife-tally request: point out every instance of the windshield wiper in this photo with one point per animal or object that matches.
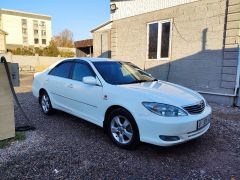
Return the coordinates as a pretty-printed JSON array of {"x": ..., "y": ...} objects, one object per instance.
[
  {"x": 154, "y": 80},
  {"x": 141, "y": 81}
]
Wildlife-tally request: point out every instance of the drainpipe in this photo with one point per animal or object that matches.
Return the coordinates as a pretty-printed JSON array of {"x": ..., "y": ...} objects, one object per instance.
[{"x": 237, "y": 79}]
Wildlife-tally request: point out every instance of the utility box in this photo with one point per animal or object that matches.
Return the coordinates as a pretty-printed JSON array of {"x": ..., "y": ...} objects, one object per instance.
[{"x": 7, "y": 123}]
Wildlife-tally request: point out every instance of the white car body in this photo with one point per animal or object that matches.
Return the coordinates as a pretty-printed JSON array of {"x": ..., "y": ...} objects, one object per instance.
[{"x": 91, "y": 103}]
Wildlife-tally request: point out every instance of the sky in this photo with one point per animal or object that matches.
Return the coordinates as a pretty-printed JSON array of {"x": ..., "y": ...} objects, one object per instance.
[{"x": 79, "y": 16}]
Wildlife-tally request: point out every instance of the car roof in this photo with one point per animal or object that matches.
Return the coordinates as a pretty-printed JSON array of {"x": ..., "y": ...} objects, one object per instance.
[{"x": 89, "y": 59}]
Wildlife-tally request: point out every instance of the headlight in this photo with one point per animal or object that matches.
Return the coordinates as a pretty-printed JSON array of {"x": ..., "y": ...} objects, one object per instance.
[{"x": 164, "y": 109}]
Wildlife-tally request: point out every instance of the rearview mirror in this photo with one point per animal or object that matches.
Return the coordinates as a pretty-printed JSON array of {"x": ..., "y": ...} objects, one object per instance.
[{"x": 91, "y": 80}]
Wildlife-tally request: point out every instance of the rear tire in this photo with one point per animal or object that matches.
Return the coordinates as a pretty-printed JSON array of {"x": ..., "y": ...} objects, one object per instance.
[
  {"x": 122, "y": 129},
  {"x": 45, "y": 103}
]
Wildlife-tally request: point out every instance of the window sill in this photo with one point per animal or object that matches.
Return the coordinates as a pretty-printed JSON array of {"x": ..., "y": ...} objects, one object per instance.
[{"x": 161, "y": 59}]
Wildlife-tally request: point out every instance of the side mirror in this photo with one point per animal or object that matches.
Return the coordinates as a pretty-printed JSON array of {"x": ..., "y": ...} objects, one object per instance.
[{"x": 91, "y": 80}]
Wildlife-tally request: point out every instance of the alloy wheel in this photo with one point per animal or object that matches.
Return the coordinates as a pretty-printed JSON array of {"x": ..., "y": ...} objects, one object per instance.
[
  {"x": 121, "y": 129},
  {"x": 45, "y": 102}
]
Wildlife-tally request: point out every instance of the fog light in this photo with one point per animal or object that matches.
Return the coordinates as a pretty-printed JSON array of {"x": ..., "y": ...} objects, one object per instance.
[{"x": 169, "y": 138}]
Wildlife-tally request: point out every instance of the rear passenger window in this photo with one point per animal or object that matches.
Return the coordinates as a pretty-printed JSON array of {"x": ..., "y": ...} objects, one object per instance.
[
  {"x": 62, "y": 70},
  {"x": 82, "y": 70}
]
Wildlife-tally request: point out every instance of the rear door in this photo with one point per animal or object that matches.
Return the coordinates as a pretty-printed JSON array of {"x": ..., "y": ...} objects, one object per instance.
[{"x": 57, "y": 85}]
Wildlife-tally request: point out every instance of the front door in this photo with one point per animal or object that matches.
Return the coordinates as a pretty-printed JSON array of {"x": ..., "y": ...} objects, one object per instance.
[{"x": 86, "y": 99}]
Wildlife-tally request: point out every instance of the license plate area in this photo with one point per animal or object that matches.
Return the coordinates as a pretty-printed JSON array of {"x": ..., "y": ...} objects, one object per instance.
[{"x": 203, "y": 122}]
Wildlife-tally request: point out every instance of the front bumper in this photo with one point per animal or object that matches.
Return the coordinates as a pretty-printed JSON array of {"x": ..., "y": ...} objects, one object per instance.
[{"x": 152, "y": 126}]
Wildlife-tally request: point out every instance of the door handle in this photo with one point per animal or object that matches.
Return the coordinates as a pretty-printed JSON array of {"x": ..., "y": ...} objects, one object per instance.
[{"x": 70, "y": 86}]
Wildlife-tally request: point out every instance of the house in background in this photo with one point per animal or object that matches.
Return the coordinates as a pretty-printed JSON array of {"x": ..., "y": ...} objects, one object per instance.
[
  {"x": 84, "y": 48},
  {"x": 25, "y": 29},
  {"x": 194, "y": 43},
  {"x": 3, "y": 35},
  {"x": 102, "y": 40}
]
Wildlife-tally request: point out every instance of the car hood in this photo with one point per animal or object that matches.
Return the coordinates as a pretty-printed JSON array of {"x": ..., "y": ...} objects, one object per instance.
[{"x": 164, "y": 92}]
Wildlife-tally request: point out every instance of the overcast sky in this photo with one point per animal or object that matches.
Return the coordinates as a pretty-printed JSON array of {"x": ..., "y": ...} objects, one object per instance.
[{"x": 79, "y": 16}]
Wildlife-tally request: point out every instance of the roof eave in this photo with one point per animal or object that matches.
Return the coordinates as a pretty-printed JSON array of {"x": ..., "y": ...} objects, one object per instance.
[{"x": 100, "y": 26}]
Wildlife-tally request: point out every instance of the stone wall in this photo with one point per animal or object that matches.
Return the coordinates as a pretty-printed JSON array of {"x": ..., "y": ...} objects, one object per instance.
[
  {"x": 31, "y": 62},
  {"x": 203, "y": 55}
]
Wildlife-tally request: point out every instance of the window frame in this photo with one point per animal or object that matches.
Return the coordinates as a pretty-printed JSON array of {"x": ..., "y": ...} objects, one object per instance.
[
  {"x": 24, "y": 22},
  {"x": 160, "y": 40},
  {"x": 43, "y": 32},
  {"x": 37, "y": 32},
  {"x": 45, "y": 41},
  {"x": 42, "y": 23},
  {"x": 24, "y": 31},
  {"x": 37, "y": 40},
  {"x": 35, "y": 24}
]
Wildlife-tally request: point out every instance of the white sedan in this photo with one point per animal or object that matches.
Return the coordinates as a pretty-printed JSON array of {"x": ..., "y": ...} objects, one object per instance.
[{"x": 127, "y": 102}]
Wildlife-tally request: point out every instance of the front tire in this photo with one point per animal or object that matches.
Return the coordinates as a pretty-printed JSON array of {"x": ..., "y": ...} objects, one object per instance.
[
  {"x": 122, "y": 129},
  {"x": 45, "y": 103}
]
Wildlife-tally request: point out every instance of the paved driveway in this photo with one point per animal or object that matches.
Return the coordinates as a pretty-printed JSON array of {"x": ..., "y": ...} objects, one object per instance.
[{"x": 66, "y": 147}]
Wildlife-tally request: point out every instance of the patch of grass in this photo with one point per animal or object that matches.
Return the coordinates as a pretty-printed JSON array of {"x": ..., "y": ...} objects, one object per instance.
[{"x": 19, "y": 136}]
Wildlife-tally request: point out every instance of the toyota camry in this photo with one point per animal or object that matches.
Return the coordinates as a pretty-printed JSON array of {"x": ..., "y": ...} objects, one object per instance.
[{"x": 130, "y": 104}]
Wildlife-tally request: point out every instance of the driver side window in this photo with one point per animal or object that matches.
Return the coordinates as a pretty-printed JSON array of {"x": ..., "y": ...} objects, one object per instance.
[{"x": 82, "y": 70}]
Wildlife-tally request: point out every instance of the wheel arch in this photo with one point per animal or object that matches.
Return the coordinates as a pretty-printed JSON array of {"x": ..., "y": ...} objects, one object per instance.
[
  {"x": 113, "y": 107},
  {"x": 41, "y": 91}
]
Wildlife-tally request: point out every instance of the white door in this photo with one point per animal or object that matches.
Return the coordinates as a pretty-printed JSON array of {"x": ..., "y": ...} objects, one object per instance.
[
  {"x": 57, "y": 85},
  {"x": 86, "y": 99}
]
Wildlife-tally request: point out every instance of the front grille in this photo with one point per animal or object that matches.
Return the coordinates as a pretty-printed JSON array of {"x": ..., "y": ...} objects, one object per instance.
[{"x": 195, "y": 109}]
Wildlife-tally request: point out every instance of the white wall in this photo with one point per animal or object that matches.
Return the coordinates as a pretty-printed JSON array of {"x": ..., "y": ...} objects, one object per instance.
[
  {"x": 135, "y": 7},
  {"x": 33, "y": 61},
  {"x": 13, "y": 26},
  {"x": 2, "y": 42}
]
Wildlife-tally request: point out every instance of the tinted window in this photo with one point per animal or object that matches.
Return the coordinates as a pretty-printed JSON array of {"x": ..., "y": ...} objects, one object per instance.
[
  {"x": 82, "y": 70},
  {"x": 165, "y": 39},
  {"x": 153, "y": 41},
  {"x": 62, "y": 70}
]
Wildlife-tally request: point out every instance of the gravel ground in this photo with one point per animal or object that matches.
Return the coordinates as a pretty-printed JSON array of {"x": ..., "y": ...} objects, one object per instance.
[{"x": 66, "y": 147}]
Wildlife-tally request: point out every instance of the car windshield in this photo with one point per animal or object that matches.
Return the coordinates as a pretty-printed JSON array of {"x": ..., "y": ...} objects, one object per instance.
[{"x": 118, "y": 73}]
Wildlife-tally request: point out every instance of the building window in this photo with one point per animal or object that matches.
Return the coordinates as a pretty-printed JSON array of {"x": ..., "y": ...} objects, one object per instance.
[
  {"x": 44, "y": 41},
  {"x": 159, "y": 37},
  {"x": 43, "y": 33},
  {"x": 36, "y": 41},
  {"x": 35, "y": 24},
  {"x": 24, "y": 31},
  {"x": 24, "y": 22},
  {"x": 35, "y": 32},
  {"x": 43, "y": 24},
  {"x": 25, "y": 40}
]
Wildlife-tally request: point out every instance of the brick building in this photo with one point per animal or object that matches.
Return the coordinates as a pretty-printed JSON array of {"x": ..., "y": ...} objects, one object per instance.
[{"x": 194, "y": 43}]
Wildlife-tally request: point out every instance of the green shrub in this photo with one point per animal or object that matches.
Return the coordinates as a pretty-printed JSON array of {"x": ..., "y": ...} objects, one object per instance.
[
  {"x": 67, "y": 54},
  {"x": 50, "y": 50}
]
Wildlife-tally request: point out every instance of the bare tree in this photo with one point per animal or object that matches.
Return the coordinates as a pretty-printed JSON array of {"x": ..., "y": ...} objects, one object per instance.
[{"x": 64, "y": 39}]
